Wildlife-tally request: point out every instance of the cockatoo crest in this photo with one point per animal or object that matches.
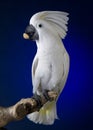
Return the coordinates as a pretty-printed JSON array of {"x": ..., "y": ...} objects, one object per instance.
[{"x": 57, "y": 19}]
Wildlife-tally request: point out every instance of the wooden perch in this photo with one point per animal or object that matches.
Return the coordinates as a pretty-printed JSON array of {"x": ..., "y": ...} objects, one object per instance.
[{"x": 22, "y": 108}]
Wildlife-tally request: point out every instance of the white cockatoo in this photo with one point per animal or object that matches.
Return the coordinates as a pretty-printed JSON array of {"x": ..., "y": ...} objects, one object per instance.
[{"x": 51, "y": 63}]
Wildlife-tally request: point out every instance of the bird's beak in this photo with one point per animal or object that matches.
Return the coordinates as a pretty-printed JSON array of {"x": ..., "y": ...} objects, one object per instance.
[{"x": 31, "y": 33}]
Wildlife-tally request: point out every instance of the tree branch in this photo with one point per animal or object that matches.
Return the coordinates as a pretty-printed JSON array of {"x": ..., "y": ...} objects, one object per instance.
[{"x": 22, "y": 108}]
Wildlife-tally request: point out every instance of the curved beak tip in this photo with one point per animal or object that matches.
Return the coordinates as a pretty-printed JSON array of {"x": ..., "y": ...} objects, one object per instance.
[{"x": 25, "y": 36}]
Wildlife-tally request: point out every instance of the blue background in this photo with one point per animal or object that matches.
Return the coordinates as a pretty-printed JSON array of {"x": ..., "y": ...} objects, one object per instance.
[{"x": 75, "y": 105}]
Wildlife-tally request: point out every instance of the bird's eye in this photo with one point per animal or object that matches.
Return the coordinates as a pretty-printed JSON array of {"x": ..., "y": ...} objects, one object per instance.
[{"x": 40, "y": 25}]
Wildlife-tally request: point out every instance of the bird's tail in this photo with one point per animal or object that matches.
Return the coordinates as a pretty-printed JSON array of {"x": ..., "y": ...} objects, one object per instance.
[{"x": 46, "y": 115}]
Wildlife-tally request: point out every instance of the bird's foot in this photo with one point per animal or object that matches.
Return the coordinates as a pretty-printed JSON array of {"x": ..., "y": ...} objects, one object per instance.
[
  {"x": 38, "y": 100},
  {"x": 48, "y": 95},
  {"x": 45, "y": 94}
]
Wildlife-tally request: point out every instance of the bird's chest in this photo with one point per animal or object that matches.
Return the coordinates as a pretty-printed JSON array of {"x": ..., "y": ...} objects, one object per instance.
[
  {"x": 43, "y": 69},
  {"x": 47, "y": 68}
]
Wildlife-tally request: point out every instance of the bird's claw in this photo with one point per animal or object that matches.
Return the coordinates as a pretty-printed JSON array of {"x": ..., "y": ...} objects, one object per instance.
[{"x": 50, "y": 95}]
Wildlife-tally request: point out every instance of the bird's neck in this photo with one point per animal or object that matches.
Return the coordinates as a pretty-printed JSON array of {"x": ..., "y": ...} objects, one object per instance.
[{"x": 49, "y": 45}]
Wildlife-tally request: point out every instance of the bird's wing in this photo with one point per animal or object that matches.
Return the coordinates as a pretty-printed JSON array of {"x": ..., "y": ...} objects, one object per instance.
[{"x": 34, "y": 67}]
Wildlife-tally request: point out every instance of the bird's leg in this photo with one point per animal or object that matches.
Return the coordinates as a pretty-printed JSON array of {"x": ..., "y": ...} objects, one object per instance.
[{"x": 45, "y": 94}]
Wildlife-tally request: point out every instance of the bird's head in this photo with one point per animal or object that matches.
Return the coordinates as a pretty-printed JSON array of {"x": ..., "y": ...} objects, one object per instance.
[{"x": 46, "y": 23}]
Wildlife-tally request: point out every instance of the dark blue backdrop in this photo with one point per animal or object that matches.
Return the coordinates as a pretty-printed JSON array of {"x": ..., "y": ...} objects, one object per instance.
[{"x": 75, "y": 105}]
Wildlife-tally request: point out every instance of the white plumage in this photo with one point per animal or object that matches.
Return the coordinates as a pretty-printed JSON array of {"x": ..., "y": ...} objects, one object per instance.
[{"x": 51, "y": 63}]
